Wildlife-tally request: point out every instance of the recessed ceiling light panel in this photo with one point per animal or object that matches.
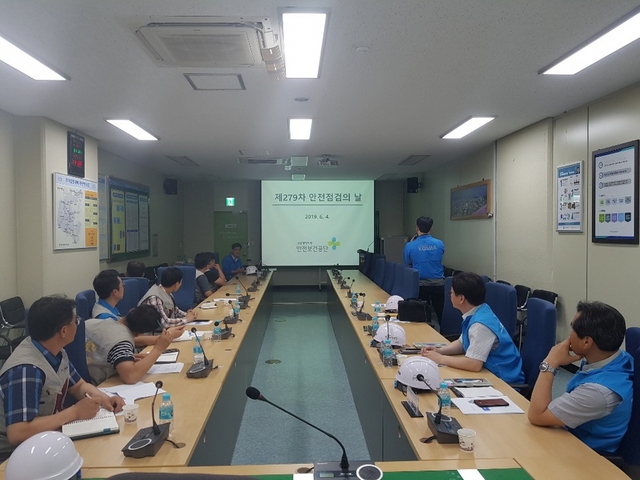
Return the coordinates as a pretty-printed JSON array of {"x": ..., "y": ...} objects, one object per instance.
[
  {"x": 132, "y": 129},
  {"x": 467, "y": 127}
]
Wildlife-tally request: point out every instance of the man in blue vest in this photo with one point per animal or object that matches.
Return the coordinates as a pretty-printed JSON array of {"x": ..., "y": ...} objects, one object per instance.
[
  {"x": 597, "y": 405},
  {"x": 484, "y": 340}
]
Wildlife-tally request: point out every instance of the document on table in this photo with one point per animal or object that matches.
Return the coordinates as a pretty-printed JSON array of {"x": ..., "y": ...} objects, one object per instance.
[
  {"x": 166, "y": 368},
  {"x": 103, "y": 423},
  {"x": 208, "y": 305},
  {"x": 477, "y": 392},
  {"x": 187, "y": 336},
  {"x": 466, "y": 406},
  {"x": 198, "y": 323},
  {"x": 130, "y": 393}
]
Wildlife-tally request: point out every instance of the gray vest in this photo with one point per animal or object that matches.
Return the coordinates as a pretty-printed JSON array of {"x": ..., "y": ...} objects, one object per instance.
[
  {"x": 53, "y": 391},
  {"x": 98, "y": 309},
  {"x": 168, "y": 303},
  {"x": 101, "y": 337}
]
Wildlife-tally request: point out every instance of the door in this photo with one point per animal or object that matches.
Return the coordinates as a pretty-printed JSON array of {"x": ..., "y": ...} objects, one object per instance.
[{"x": 230, "y": 228}]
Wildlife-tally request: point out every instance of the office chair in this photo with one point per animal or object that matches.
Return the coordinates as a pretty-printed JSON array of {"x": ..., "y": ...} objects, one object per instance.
[
  {"x": 398, "y": 279},
  {"x": 150, "y": 275},
  {"x": 368, "y": 264},
  {"x": 522, "y": 292},
  {"x": 12, "y": 318},
  {"x": 85, "y": 301},
  {"x": 134, "y": 290},
  {"x": 503, "y": 301},
  {"x": 379, "y": 267},
  {"x": 451, "y": 322},
  {"x": 77, "y": 354},
  {"x": 373, "y": 265},
  {"x": 410, "y": 283},
  {"x": 389, "y": 276},
  {"x": 632, "y": 339},
  {"x": 541, "y": 337},
  {"x": 485, "y": 278},
  {"x": 547, "y": 295},
  {"x": 503, "y": 281},
  {"x": 186, "y": 296}
]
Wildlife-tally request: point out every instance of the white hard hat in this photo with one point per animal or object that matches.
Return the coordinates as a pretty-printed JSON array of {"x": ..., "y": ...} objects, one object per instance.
[
  {"x": 392, "y": 303},
  {"x": 412, "y": 367},
  {"x": 44, "y": 456},
  {"x": 251, "y": 270},
  {"x": 397, "y": 334}
]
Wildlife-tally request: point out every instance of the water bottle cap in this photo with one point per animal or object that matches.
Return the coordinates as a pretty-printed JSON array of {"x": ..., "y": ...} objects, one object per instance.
[
  {"x": 443, "y": 384},
  {"x": 387, "y": 341},
  {"x": 166, "y": 397}
]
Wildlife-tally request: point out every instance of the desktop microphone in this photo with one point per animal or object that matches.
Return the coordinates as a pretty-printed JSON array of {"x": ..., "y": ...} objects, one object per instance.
[
  {"x": 200, "y": 370},
  {"x": 360, "y": 315},
  {"x": 246, "y": 297},
  {"x": 324, "y": 469},
  {"x": 445, "y": 431},
  {"x": 226, "y": 331},
  {"x": 233, "y": 318},
  {"x": 148, "y": 441},
  {"x": 240, "y": 299},
  {"x": 349, "y": 293}
]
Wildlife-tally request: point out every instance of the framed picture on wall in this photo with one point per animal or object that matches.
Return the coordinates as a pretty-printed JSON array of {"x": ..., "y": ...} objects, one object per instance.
[
  {"x": 569, "y": 204},
  {"x": 471, "y": 201},
  {"x": 615, "y": 194}
]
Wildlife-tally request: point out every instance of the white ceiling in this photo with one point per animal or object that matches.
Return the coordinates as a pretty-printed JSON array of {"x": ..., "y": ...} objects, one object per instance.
[{"x": 430, "y": 65}]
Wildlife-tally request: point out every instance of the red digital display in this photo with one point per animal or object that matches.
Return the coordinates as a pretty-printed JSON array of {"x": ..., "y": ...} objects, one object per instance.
[{"x": 75, "y": 155}]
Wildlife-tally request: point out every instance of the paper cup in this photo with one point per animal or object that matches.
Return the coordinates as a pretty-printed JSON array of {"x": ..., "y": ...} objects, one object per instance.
[
  {"x": 467, "y": 439},
  {"x": 130, "y": 413}
]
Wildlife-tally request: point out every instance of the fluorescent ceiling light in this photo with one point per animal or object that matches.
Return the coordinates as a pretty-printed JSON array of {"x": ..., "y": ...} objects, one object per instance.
[
  {"x": 303, "y": 36},
  {"x": 299, "y": 128},
  {"x": 16, "y": 58},
  {"x": 132, "y": 129},
  {"x": 614, "y": 39},
  {"x": 467, "y": 127}
]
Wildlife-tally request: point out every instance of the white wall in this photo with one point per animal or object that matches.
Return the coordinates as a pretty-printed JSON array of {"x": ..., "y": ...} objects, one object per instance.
[{"x": 8, "y": 234}]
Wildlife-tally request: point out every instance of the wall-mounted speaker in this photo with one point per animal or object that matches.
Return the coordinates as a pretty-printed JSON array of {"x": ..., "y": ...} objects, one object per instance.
[
  {"x": 412, "y": 185},
  {"x": 170, "y": 186}
]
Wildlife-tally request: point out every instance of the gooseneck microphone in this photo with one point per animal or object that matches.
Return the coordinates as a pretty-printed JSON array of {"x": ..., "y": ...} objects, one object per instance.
[
  {"x": 444, "y": 431},
  {"x": 438, "y": 416},
  {"x": 254, "y": 394},
  {"x": 200, "y": 370},
  {"x": 246, "y": 297},
  {"x": 148, "y": 441},
  {"x": 349, "y": 293}
]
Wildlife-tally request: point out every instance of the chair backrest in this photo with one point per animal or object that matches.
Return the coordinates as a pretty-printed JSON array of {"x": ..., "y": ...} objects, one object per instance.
[
  {"x": 76, "y": 349},
  {"x": 632, "y": 339},
  {"x": 186, "y": 295},
  {"x": 85, "y": 301},
  {"x": 134, "y": 290},
  {"x": 503, "y": 301},
  {"x": 398, "y": 279},
  {"x": 389, "y": 276},
  {"x": 368, "y": 263},
  {"x": 503, "y": 281},
  {"x": 523, "y": 293},
  {"x": 485, "y": 278},
  {"x": 630, "y": 447},
  {"x": 150, "y": 275},
  {"x": 451, "y": 322},
  {"x": 410, "y": 283},
  {"x": 541, "y": 336},
  {"x": 12, "y": 312},
  {"x": 372, "y": 269},
  {"x": 379, "y": 266},
  {"x": 545, "y": 295}
]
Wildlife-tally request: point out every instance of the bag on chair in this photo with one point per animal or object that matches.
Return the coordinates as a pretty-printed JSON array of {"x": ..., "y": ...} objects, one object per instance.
[{"x": 413, "y": 310}]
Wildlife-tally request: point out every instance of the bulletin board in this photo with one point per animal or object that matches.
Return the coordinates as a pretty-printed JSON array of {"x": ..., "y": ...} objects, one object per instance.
[
  {"x": 569, "y": 204},
  {"x": 75, "y": 212},
  {"x": 129, "y": 230}
]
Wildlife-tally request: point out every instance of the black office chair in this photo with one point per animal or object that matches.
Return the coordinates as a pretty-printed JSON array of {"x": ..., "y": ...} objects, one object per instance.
[
  {"x": 522, "y": 295},
  {"x": 12, "y": 325}
]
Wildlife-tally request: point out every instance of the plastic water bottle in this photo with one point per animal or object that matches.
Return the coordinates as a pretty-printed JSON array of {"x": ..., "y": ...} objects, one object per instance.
[
  {"x": 354, "y": 300},
  {"x": 374, "y": 326},
  {"x": 198, "y": 354},
  {"x": 387, "y": 353},
  {"x": 236, "y": 309},
  {"x": 217, "y": 333},
  {"x": 376, "y": 308},
  {"x": 238, "y": 290},
  {"x": 166, "y": 411},
  {"x": 445, "y": 399}
]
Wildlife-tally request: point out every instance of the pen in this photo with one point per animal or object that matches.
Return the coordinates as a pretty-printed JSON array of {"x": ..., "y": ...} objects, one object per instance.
[
  {"x": 87, "y": 395},
  {"x": 160, "y": 325}
]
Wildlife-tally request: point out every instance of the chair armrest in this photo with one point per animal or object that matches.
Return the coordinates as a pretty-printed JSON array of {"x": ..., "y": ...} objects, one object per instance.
[
  {"x": 614, "y": 458},
  {"x": 523, "y": 389}
]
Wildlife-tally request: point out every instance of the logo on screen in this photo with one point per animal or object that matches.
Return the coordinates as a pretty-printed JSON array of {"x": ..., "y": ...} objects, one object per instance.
[{"x": 334, "y": 243}]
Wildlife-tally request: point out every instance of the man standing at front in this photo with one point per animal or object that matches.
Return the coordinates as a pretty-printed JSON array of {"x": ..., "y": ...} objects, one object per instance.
[
  {"x": 597, "y": 405},
  {"x": 424, "y": 253}
]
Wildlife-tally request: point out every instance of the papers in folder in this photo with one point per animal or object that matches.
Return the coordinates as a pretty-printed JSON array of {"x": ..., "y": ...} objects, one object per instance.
[
  {"x": 130, "y": 393},
  {"x": 187, "y": 336},
  {"x": 466, "y": 406},
  {"x": 103, "y": 423}
]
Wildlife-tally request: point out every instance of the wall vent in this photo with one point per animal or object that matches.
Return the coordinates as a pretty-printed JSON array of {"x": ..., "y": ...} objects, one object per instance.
[{"x": 261, "y": 161}]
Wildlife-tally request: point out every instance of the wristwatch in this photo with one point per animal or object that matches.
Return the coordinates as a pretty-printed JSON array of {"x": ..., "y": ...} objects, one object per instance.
[{"x": 545, "y": 367}]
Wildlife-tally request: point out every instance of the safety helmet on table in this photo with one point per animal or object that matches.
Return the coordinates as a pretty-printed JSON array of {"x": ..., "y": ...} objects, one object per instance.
[
  {"x": 44, "y": 456},
  {"x": 251, "y": 270},
  {"x": 392, "y": 303},
  {"x": 397, "y": 334},
  {"x": 412, "y": 367}
]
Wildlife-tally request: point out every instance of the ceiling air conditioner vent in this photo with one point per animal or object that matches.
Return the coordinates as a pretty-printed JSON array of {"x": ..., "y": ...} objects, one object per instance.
[
  {"x": 205, "y": 41},
  {"x": 261, "y": 161}
]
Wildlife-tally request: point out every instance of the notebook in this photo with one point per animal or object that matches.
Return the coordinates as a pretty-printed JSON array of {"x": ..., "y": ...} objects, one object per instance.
[
  {"x": 103, "y": 423},
  {"x": 169, "y": 356}
]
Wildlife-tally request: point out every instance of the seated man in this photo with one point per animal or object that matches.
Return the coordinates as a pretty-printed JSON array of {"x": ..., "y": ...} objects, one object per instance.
[
  {"x": 160, "y": 297},
  {"x": 424, "y": 253},
  {"x": 204, "y": 262},
  {"x": 232, "y": 264},
  {"x": 110, "y": 345},
  {"x": 37, "y": 376},
  {"x": 484, "y": 340},
  {"x": 135, "y": 268},
  {"x": 110, "y": 289},
  {"x": 597, "y": 405}
]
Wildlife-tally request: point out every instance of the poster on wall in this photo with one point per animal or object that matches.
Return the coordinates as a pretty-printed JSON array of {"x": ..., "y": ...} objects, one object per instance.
[
  {"x": 129, "y": 219},
  {"x": 615, "y": 194},
  {"x": 569, "y": 204},
  {"x": 471, "y": 201},
  {"x": 75, "y": 212}
]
